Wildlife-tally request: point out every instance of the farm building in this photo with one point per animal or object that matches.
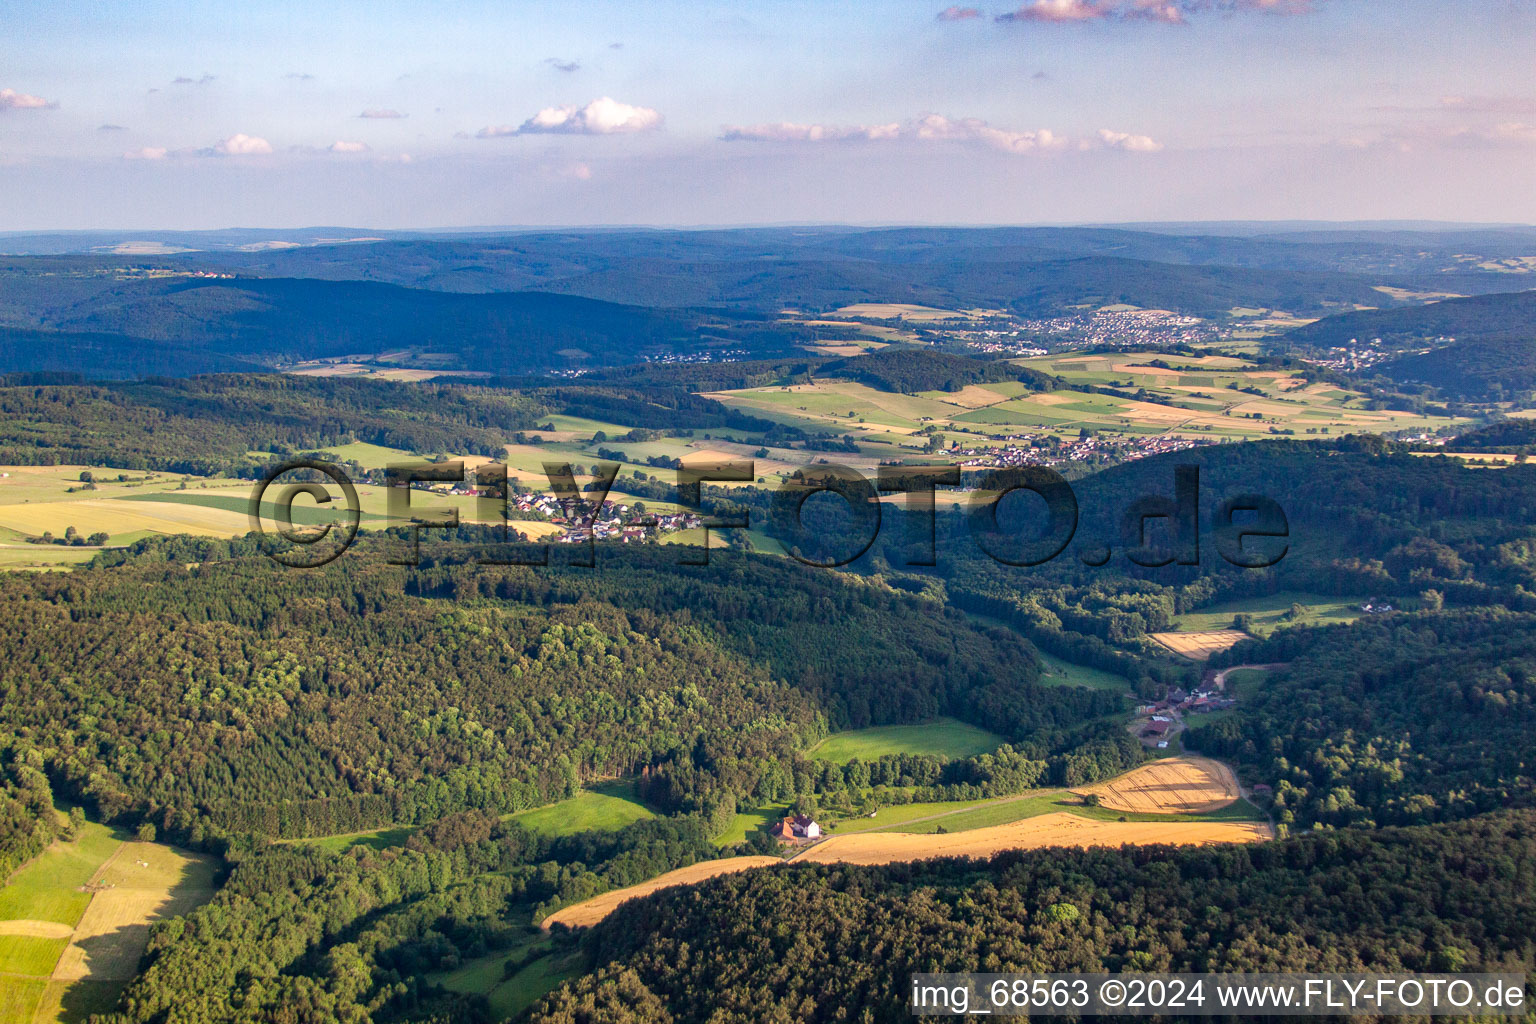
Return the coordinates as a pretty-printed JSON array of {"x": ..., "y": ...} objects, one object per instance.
[{"x": 796, "y": 826}]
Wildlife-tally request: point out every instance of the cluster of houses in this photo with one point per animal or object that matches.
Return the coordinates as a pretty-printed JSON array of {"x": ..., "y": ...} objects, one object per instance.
[
  {"x": 1163, "y": 716},
  {"x": 613, "y": 520},
  {"x": 1017, "y": 450}
]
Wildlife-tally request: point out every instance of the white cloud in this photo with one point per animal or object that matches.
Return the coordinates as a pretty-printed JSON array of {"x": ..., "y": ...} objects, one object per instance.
[
  {"x": 1515, "y": 132},
  {"x": 936, "y": 128},
  {"x": 959, "y": 14},
  {"x": 972, "y": 129},
  {"x": 381, "y": 114},
  {"x": 147, "y": 153},
  {"x": 581, "y": 172},
  {"x": 604, "y": 116},
  {"x": 787, "y": 132},
  {"x": 10, "y": 99},
  {"x": 241, "y": 144},
  {"x": 1173, "y": 12},
  {"x": 1057, "y": 11},
  {"x": 184, "y": 80},
  {"x": 349, "y": 147},
  {"x": 1127, "y": 141}
]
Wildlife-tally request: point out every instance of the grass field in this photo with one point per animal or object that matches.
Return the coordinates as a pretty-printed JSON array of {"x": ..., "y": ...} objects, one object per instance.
[
  {"x": 544, "y": 968},
  {"x": 750, "y": 819},
  {"x": 608, "y": 805},
  {"x": 1266, "y": 614},
  {"x": 374, "y": 839},
  {"x": 1057, "y": 672},
  {"x": 944, "y": 737}
]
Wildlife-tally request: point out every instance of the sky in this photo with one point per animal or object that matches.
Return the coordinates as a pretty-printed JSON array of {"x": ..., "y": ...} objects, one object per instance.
[{"x": 180, "y": 115}]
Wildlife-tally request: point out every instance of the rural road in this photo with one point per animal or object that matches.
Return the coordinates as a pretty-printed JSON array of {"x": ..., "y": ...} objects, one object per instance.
[{"x": 1221, "y": 677}]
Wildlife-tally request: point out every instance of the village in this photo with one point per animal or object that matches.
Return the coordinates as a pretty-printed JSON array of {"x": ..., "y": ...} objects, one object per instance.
[{"x": 1021, "y": 450}]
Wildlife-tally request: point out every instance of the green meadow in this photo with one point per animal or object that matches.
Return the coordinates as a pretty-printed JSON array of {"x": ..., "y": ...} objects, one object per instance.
[{"x": 943, "y": 737}]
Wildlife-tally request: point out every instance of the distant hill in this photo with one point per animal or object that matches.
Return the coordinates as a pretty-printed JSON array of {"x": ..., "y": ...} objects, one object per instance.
[
  {"x": 109, "y": 356},
  {"x": 1491, "y": 369},
  {"x": 180, "y": 325},
  {"x": 1493, "y": 357},
  {"x": 1497, "y": 315}
]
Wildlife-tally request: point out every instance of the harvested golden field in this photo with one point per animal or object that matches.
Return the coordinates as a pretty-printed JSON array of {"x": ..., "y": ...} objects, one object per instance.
[
  {"x": 589, "y": 912},
  {"x": 1151, "y": 371},
  {"x": 1174, "y": 785},
  {"x": 1058, "y": 829},
  {"x": 138, "y": 885},
  {"x": 1201, "y": 645},
  {"x": 113, "y": 515}
]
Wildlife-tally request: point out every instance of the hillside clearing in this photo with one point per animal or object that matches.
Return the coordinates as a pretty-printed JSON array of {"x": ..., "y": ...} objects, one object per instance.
[
  {"x": 1199, "y": 646},
  {"x": 1173, "y": 785},
  {"x": 943, "y": 737}
]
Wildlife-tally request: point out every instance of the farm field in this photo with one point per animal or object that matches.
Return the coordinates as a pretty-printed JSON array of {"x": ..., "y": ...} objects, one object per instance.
[
  {"x": 944, "y": 737},
  {"x": 1173, "y": 785},
  {"x": 747, "y": 820},
  {"x": 609, "y": 805},
  {"x": 139, "y": 884},
  {"x": 1266, "y": 614},
  {"x": 1055, "y": 829},
  {"x": 1197, "y": 397},
  {"x": 591, "y": 911},
  {"x": 1199, "y": 645},
  {"x": 75, "y": 920},
  {"x": 374, "y": 839},
  {"x": 1058, "y": 672}
]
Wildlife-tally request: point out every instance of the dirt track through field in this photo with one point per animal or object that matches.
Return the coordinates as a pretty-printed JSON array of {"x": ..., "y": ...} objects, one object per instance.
[
  {"x": 591, "y": 911},
  {"x": 1173, "y": 785}
]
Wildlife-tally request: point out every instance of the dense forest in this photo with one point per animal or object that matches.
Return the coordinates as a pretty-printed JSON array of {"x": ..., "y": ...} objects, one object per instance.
[
  {"x": 1417, "y": 718},
  {"x": 234, "y": 696},
  {"x": 222, "y": 424}
]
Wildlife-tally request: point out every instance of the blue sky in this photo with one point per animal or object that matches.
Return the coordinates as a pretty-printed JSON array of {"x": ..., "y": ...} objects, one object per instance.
[{"x": 182, "y": 115}]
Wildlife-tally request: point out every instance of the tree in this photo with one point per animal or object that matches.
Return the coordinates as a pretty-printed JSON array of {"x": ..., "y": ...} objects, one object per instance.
[{"x": 147, "y": 832}]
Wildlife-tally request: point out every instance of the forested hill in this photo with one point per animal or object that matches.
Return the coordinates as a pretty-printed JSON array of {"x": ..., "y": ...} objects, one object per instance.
[
  {"x": 1492, "y": 358},
  {"x": 1418, "y": 718},
  {"x": 1453, "y": 898},
  {"x": 911, "y": 370},
  {"x": 238, "y": 696},
  {"x": 1463, "y": 319},
  {"x": 144, "y": 325},
  {"x": 213, "y": 424}
]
